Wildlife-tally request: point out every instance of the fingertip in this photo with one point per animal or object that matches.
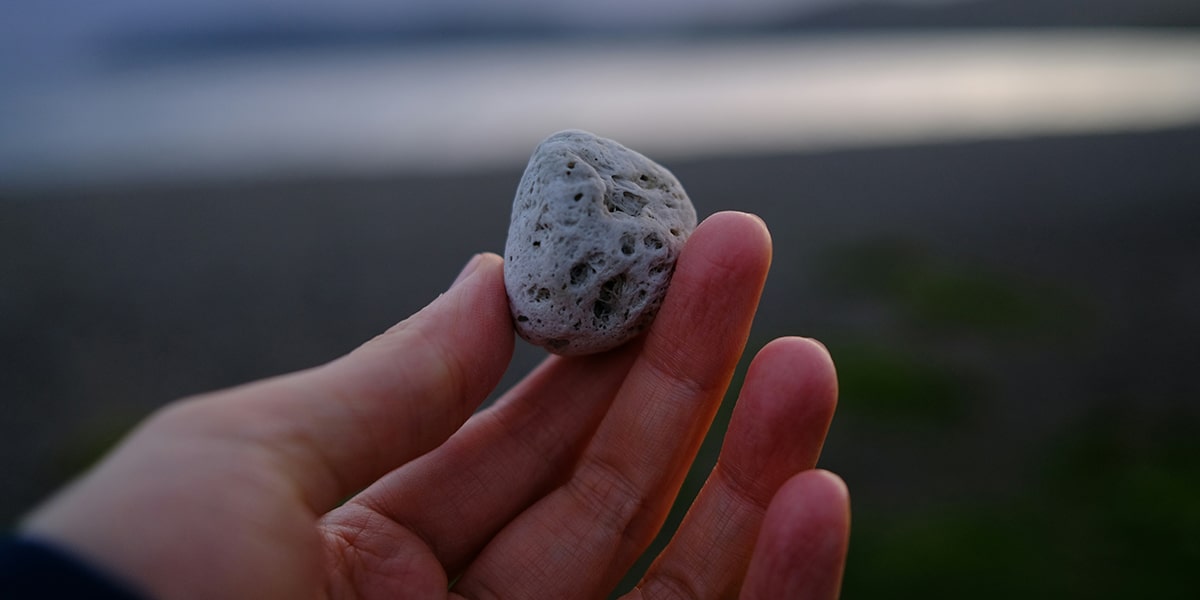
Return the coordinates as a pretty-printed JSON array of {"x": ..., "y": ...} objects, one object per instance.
[
  {"x": 782, "y": 415},
  {"x": 733, "y": 238},
  {"x": 814, "y": 360},
  {"x": 793, "y": 367},
  {"x": 810, "y": 515},
  {"x": 801, "y": 550},
  {"x": 819, "y": 489},
  {"x": 713, "y": 294},
  {"x": 490, "y": 273},
  {"x": 408, "y": 388},
  {"x": 486, "y": 266},
  {"x": 478, "y": 323},
  {"x": 720, "y": 274},
  {"x": 747, "y": 220},
  {"x": 490, "y": 258},
  {"x": 481, "y": 286},
  {"x": 808, "y": 349}
]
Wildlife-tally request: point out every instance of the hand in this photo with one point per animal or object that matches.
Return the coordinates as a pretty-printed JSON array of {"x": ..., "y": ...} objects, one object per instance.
[{"x": 553, "y": 492}]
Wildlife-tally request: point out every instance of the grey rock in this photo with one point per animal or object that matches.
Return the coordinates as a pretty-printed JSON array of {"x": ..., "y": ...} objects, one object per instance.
[{"x": 595, "y": 232}]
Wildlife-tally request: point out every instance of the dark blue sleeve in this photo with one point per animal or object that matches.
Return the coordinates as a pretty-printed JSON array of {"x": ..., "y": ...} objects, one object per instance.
[{"x": 34, "y": 569}]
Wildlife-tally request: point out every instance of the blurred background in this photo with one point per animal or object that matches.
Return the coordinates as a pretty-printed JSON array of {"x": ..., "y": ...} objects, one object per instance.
[{"x": 987, "y": 209}]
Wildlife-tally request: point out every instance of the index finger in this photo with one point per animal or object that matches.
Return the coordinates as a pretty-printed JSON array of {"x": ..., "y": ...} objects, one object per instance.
[{"x": 334, "y": 429}]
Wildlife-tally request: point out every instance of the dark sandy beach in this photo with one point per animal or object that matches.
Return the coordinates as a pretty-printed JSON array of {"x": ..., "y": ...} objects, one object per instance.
[{"x": 1014, "y": 323}]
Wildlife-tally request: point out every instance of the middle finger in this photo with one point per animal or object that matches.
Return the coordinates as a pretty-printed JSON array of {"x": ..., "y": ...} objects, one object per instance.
[{"x": 582, "y": 537}]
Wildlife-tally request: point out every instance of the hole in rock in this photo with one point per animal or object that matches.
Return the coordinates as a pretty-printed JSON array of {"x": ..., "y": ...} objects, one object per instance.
[
  {"x": 580, "y": 273},
  {"x": 627, "y": 202},
  {"x": 610, "y": 295},
  {"x": 653, "y": 241},
  {"x": 628, "y": 244}
]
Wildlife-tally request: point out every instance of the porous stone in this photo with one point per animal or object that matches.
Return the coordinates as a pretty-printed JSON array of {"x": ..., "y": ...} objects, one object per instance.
[{"x": 595, "y": 232}]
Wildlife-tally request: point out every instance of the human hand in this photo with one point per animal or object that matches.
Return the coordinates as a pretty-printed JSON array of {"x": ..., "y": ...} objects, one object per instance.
[{"x": 552, "y": 492}]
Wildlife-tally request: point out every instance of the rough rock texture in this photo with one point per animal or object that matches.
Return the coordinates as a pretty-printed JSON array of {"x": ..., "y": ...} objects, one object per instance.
[{"x": 592, "y": 243}]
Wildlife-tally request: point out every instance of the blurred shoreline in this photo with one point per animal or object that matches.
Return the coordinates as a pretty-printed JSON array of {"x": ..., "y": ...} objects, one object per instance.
[{"x": 484, "y": 105}]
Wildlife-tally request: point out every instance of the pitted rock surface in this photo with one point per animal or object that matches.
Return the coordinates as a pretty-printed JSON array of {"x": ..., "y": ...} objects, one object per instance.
[{"x": 595, "y": 232}]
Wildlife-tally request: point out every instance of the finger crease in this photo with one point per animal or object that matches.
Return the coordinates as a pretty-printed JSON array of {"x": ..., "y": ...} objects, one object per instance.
[
  {"x": 607, "y": 493},
  {"x": 733, "y": 484},
  {"x": 689, "y": 385},
  {"x": 454, "y": 372},
  {"x": 667, "y": 585}
]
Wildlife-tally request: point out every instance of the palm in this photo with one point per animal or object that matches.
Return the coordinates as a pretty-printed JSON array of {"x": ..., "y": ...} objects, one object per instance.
[{"x": 459, "y": 509}]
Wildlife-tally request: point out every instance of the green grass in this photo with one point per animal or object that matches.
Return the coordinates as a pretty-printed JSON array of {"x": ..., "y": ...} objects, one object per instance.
[
  {"x": 938, "y": 294},
  {"x": 1109, "y": 517},
  {"x": 899, "y": 385}
]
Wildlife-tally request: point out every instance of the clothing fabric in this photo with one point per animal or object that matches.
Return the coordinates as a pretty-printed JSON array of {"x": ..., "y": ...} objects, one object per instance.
[{"x": 32, "y": 568}]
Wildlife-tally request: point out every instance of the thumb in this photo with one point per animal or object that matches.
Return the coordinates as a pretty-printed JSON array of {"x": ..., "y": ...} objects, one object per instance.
[{"x": 339, "y": 427}]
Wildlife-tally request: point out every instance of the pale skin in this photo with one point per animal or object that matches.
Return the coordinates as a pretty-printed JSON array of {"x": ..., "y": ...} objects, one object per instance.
[{"x": 374, "y": 477}]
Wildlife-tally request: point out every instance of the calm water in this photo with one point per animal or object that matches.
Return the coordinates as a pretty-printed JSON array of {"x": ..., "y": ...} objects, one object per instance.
[{"x": 448, "y": 107}]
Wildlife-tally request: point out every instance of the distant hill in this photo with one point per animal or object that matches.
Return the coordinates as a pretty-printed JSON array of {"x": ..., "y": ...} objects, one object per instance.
[
  {"x": 1005, "y": 14},
  {"x": 216, "y": 37}
]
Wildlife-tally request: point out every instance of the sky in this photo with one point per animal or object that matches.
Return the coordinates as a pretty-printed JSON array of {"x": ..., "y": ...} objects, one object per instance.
[{"x": 62, "y": 38}]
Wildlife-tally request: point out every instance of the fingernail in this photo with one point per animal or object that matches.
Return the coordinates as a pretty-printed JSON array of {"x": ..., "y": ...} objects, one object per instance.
[
  {"x": 819, "y": 343},
  {"x": 471, "y": 266}
]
